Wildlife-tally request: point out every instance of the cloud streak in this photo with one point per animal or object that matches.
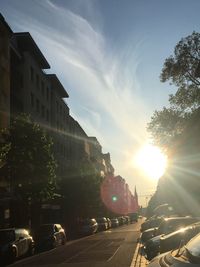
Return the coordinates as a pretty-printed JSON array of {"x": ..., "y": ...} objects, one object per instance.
[{"x": 104, "y": 93}]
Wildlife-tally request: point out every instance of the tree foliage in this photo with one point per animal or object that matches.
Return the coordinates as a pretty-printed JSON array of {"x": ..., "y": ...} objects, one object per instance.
[
  {"x": 30, "y": 164},
  {"x": 82, "y": 188},
  {"x": 177, "y": 128},
  {"x": 183, "y": 70}
]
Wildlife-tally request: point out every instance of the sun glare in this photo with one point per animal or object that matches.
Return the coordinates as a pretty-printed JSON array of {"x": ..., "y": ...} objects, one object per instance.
[{"x": 151, "y": 161}]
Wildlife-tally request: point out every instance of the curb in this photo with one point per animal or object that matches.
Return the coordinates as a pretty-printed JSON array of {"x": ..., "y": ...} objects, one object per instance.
[{"x": 138, "y": 258}]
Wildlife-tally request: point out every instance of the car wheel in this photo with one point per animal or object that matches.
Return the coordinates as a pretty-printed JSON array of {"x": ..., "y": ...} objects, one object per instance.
[
  {"x": 31, "y": 250},
  {"x": 54, "y": 243},
  {"x": 63, "y": 241}
]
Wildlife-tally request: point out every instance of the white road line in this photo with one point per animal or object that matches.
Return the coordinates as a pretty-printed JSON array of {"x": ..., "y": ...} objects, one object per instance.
[{"x": 82, "y": 252}]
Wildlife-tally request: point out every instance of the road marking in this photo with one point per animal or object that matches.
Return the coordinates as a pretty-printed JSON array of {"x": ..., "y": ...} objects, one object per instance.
[{"x": 82, "y": 251}]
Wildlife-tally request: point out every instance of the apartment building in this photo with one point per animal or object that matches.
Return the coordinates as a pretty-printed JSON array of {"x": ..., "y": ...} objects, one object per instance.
[
  {"x": 5, "y": 35},
  {"x": 96, "y": 156},
  {"x": 108, "y": 168},
  {"x": 59, "y": 124},
  {"x": 78, "y": 144},
  {"x": 30, "y": 86}
]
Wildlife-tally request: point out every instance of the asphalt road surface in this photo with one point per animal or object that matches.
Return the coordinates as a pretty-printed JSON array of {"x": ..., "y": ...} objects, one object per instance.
[{"x": 112, "y": 248}]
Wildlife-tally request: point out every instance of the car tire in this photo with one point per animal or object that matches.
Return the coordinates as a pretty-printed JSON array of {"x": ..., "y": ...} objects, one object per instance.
[{"x": 31, "y": 250}]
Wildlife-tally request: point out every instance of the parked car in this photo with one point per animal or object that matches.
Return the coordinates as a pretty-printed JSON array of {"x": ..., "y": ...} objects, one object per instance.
[
  {"x": 114, "y": 222},
  {"x": 15, "y": 243},
  {"x": 121, "y": 220},
  {"x": 151, "y": 223},
  {"x": 148, "y": 234},
  {"x": 173, "y": 240},
  {"x": 186, "y": 256},
  {"x": 127, "y": 219},
  {"x": 152, "y": 246},
  {"x": 49, "y": 236},
  {"x": 133, "y": 217},
  {"x": 168, "y": 225},
  {"x": 109, "y": 223},
  {"x": 102, "y": 224},
  {"x": 88, "y": 226}
]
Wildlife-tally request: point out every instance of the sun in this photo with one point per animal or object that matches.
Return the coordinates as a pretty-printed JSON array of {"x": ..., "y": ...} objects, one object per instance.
[{"x": 151, "y": 161}]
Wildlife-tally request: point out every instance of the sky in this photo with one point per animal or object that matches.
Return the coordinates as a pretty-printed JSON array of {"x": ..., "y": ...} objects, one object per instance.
[{"x": 109, "y": 54}]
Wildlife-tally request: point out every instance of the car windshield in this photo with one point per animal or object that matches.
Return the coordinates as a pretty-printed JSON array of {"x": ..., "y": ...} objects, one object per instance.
[
  {"x": 7, "y": 236},
  {"x": 192, "y": 250}
]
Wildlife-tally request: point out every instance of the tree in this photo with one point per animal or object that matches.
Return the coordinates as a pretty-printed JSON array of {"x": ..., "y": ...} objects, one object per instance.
[
  {"x": 182, "y": 70},
  {"x": 30, "y": 164},
  {"x": 177, "y": 128}
]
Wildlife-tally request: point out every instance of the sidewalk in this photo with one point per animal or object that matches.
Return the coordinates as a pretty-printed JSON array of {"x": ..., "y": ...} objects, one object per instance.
[{"x": 138, "y": 258}]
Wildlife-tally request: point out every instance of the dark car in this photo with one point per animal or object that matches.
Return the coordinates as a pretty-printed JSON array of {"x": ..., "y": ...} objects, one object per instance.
[
  {"x": 133, "y": 217},
  {"x": 102, "y": 224},
  {"x": 151, "y": 223},
  {"x": 168, "y": 225},
  {"x": 152, "y": 246},
  {"x": 186, "y": 256},
  {"x": 173, "y": 240},
  {"x": 109, "y": 223},
  {"x": 49, "y": 236},
  {"x": 15, "y": 243},
  {"x": 148, "y": 234},
  {"x": 114, "y": 222},
  {"x": 121, "y": 220},
  {"x": 127, "y": 219},
  {"x": 88, "y": 227}
]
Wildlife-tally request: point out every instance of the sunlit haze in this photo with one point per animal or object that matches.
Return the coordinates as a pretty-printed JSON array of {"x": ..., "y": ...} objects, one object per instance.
[
  {"x": 108, "y": 55},
  {"x": 151, "y": 161}
]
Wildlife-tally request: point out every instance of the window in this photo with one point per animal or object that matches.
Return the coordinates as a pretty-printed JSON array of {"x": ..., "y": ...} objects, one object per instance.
[
  {"x": 42, "y": 88},
  {"x": 47, "y": 115},
  {"x": 47, "y": 93},
  {"x": 43, "y": 111},
  {"x": 37, "y": 105},
  {"x": 21, "y": 80},
  {"x": 32, "y": 74},
  {"x": 32, "y": 100},
  {"x": 37, "y": 81}
]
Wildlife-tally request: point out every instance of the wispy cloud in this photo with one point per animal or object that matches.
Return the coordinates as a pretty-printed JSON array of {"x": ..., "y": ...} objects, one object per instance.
[{"x": 103, "y": 81}]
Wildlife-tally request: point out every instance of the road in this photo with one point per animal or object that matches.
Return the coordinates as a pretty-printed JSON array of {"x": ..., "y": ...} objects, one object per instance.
[{"x": 112, "y": 248}]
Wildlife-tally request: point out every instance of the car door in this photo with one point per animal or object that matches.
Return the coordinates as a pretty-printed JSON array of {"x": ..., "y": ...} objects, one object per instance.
[
  {"x": 57, "y": 235},
  {"x": 20, "y": 242}
]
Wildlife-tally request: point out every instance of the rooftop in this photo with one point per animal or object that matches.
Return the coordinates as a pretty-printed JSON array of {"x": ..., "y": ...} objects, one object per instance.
[
  {"x": 25, "y": 42},
  {"x": 58, "y": 85}
]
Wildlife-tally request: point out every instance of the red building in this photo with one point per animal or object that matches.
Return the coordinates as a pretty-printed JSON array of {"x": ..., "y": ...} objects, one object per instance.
[{"x": 117, "y": 197}]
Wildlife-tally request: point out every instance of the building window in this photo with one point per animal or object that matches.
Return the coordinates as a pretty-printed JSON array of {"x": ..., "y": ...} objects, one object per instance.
[
  {"x": 37, "y": 105},
  {"x": 57, "y": 106},
  {"x": 47, "y": 93},
  {"x": 47, "y": 115},
  {"x": 42, "y": 87},
  {"x": 32, "y": 74},
  {"x": 37, "y": 81},
  {"x": 32, "y": 100},
  {"x": 43, "y": 111},
  {"x": 21, "y": 80}
]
